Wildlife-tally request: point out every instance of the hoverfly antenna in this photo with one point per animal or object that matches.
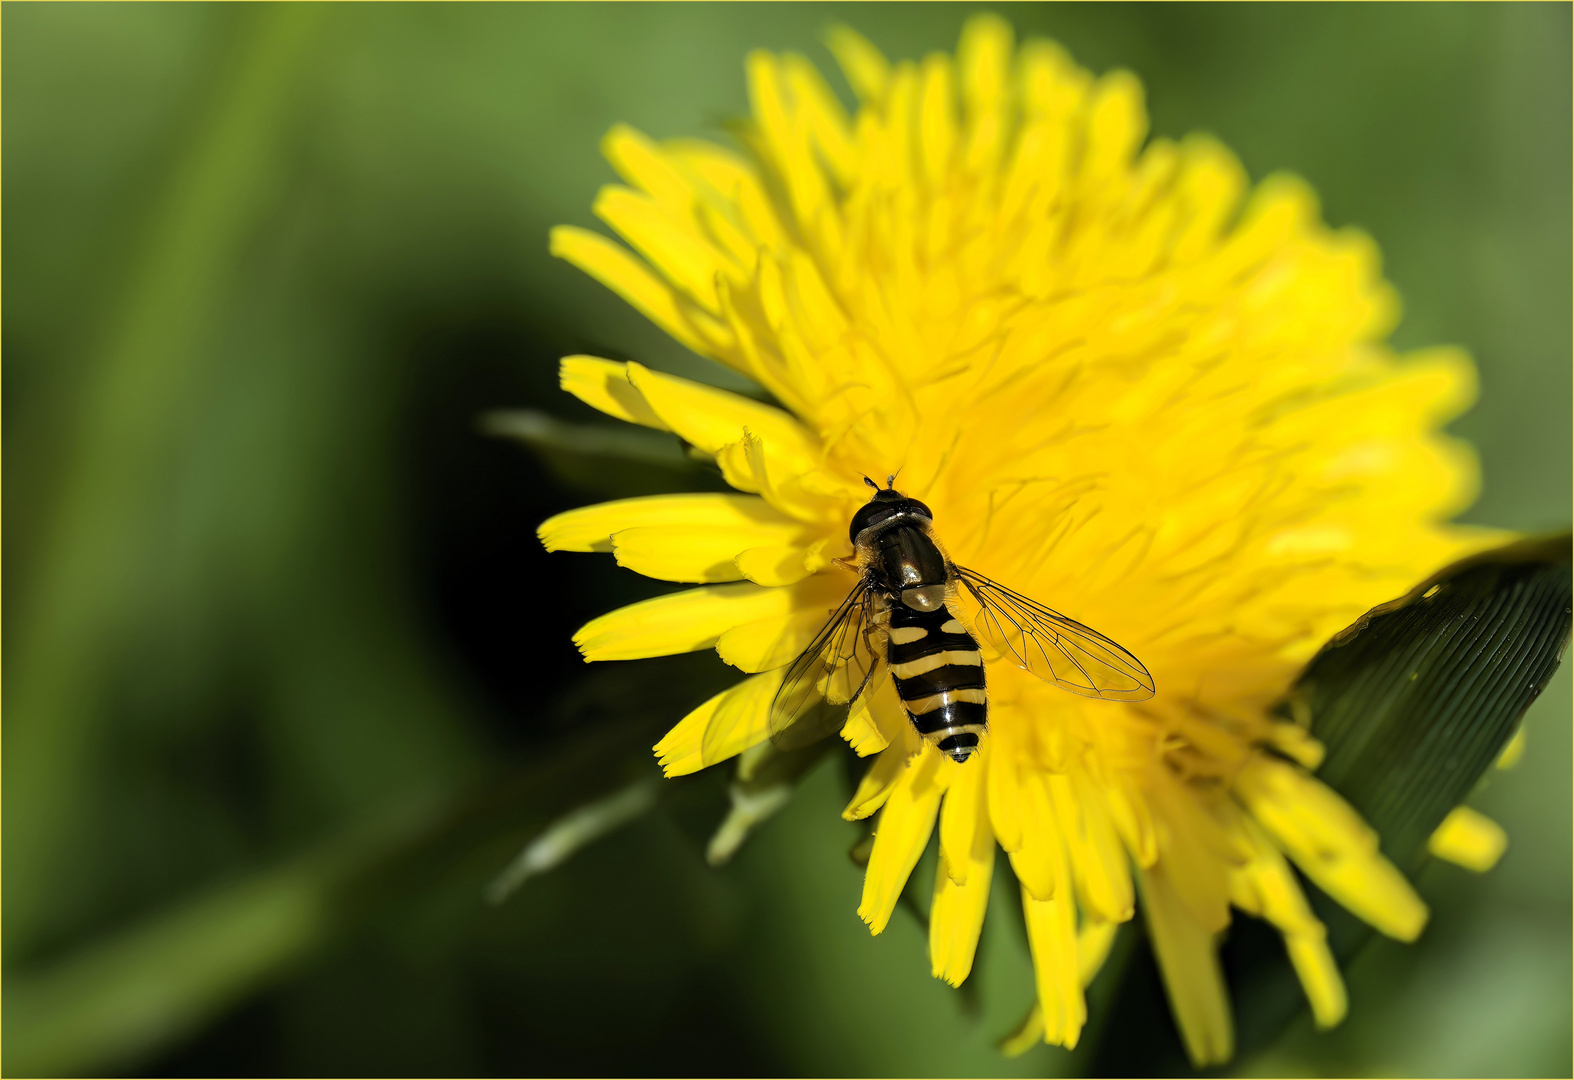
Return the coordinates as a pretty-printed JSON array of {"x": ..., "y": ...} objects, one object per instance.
[
  {"x": 871, "y": 483},
  {"x": 890, "y": 482}
]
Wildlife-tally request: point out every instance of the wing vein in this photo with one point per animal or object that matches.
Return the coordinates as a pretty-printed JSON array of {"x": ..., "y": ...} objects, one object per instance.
[{"x": 1053, "y": 647}]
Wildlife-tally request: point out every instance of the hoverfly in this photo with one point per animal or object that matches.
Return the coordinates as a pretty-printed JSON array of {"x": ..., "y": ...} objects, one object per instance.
[{"x": 905, "y": 613}]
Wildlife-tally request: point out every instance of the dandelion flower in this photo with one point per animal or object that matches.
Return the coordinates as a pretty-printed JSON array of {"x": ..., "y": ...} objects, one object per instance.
[{"x": 1129, "y": 387}]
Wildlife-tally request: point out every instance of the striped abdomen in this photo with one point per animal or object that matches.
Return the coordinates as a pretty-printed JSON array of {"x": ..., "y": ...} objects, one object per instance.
[{"x": 939, "y": 676}]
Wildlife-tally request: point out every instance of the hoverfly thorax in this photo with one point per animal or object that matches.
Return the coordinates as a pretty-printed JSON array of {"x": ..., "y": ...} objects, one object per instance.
[{"x": 896, "y": 551}]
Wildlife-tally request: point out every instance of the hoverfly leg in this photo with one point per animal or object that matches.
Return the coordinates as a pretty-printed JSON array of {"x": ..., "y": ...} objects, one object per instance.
[{"x": 863, "y": 687}]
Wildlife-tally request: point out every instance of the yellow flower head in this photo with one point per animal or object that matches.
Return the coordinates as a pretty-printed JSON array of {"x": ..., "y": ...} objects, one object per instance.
[{"x": 1128, "y": 388}]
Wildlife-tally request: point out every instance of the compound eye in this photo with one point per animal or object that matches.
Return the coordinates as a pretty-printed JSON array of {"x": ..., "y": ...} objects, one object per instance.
[
  {"x": 921, "y": 508},
  {"x": 869, "y": 515}
]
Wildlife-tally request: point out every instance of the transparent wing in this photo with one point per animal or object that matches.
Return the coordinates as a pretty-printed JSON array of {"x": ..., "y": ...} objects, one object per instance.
[
  {"x": 1051, "y": 646},
  {"x": 839, "y": 664}
]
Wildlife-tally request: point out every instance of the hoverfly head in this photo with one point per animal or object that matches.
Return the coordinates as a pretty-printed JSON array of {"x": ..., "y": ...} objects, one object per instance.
[{"x": 887, "y": 507}]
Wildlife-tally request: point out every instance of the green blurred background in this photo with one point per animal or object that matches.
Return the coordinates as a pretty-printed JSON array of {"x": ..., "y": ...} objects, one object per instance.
[{"x": 289, "y": 679}]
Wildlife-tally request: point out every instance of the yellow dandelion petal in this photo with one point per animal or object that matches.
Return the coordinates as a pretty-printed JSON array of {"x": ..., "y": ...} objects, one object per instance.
[
  {"x": 967, "y": 863},
  {"x": 880, "y": 779},
  {"x": 617, "y": 268},
  {"x": 1265, "y": 886},
  {"x": 723, "y": 727},
  {"x": 1052, "y": 939},
  {"x": 1195, "y": 853},
  {"x": 983, "y": 66},
  {"x": 773, "y": 564},
  {"x": 1094, "y": 941},
  {"x": 827, "y": 121},
  {"x": 591, "y": 528},
  {"x": 769, "y": 643},
  {"x": 1470, "y": 839},
  {"x": 696, "y": 619},
  {"x": 1332, "y": 845},
  {"x": 784, "y": 133},
  {"x": 695, "y": 553},
  {"x": 866, "y": 69},
  {"x": 875, "y": 721},
  {"x": 1319, "y": 976},
  {"x": 1029, "y": 1034},
  {"x": 1098, "y": 862},
  {"x": 670, "y": 244},
  {"x": 1190, "y": 967},
  {"x": 903, "y": 829},
  {"x": 1124, "y": 382},
  {"x": 1005, "y": 799},
  {"x": 1039, "y": 861},
  {"x": 604, "y": 384},
  {"x": 642, "y": 163},
  {"x": 711, "y": 418}
]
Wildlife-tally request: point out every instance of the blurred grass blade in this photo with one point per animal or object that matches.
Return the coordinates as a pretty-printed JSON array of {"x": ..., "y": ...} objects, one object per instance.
[
  {"x": 600, "y": 458},
  {"x": 1413, "y": 702},
  {"x": 122, "y": 998},
  {"x": 547, "y": 433},
  {"x": 121, "y": 451},
  {"x": 577, "y": 829},
  {"x": 118, "y": 1000}
]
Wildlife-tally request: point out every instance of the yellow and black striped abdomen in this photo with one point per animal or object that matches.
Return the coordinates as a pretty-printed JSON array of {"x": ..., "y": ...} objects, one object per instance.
[{"x": 939, "y": 675}]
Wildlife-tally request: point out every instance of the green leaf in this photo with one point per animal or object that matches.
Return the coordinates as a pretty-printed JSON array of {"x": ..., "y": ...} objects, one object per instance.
[
  {"x": 124, "y": 441},
  {"x": 1416, "y": 699}
]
